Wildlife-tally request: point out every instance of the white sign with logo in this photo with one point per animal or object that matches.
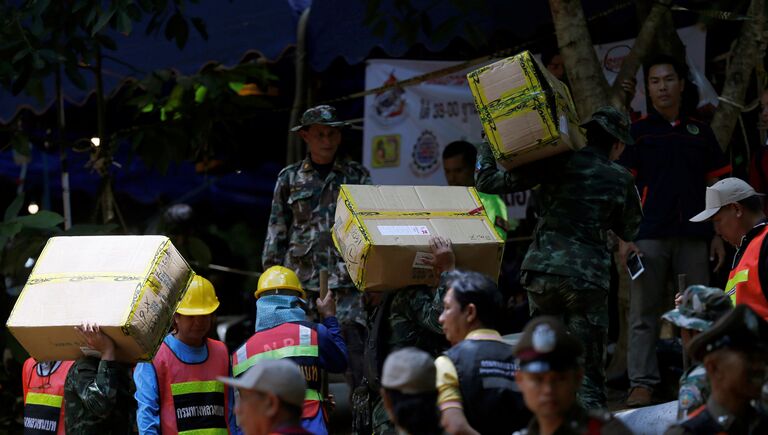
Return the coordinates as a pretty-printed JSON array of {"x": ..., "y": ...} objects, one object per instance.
[{"x": 407, "y": 129}]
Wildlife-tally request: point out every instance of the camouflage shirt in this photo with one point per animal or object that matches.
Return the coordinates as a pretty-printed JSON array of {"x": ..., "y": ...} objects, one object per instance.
[
  {"x": 413, "y": 320},
  {"x": 581, "y": 196},
  {"x": 98, "y": 396},
  {"x": 303, "y": 210},
  {"x": 694, "y": 391}
]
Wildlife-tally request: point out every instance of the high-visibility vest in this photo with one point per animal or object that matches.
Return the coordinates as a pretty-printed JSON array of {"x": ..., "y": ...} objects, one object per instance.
[
  {"x": 44, "y": 398},
  {"x": 297, "y": 341},
  {"x": 191, "y": 398},
  {"x": 744, "y": 281}
]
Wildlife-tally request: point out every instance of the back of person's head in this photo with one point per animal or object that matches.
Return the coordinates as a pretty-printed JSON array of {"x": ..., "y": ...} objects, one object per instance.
[
  {"x": 598, "y": 138},
  {"x": 753, "y": 204},
  {"x": 461, "y": 148},
  {"x": 664, "y": 59},
  {"x": 415, "y": 413},
  {"x": 475, "y": 288},
  {"x": 409, "y": 380}
]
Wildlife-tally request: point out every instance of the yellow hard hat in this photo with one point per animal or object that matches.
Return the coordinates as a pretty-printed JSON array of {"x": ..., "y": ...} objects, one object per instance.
[
  {"x": 279, "y": 277},
  {"x": 200, "y": 298}
]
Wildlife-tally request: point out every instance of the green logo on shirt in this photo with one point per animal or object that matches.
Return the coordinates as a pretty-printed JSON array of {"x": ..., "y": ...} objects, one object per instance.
[{"x": 692, "y": 129}]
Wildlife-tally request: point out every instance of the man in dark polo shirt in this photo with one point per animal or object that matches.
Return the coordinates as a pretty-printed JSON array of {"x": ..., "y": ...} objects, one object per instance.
[{"x": 674, "y": 159}]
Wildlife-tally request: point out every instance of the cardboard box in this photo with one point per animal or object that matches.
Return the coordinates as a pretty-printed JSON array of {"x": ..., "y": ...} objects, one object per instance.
[
  {"x": 383, "y": 233},
  {"x": 129, "y": 285},
  {"x": 527, "y": 114}
]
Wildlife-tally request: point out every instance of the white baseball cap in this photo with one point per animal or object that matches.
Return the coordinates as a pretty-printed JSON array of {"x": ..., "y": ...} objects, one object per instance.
[
  {"x": 724, "y": 192},
  {"x": 281, "y": 377}
]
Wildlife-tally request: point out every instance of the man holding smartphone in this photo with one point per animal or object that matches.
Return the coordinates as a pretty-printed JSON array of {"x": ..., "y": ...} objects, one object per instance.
[
  {"x": 582, "y": 195},
  {"x": 674, "y": 158}
]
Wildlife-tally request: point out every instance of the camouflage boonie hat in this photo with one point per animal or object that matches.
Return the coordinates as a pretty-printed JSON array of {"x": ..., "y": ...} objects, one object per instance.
[
  {"x": 615, "y": 122},
  {"x": 323, "y": 115},
  {"x": 741, "y": 329},
  {"x": 700, "y": 308}
]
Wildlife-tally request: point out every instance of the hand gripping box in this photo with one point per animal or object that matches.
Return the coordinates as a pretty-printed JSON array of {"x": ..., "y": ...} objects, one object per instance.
[
  {"x": 527, "y": 114},
  {"x": 383, "y": 233},
  {"x": 129, "y": 285}
]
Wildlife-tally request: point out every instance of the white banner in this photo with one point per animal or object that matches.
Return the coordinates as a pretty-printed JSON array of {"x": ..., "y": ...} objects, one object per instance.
[{"x": 407, "y": 129}]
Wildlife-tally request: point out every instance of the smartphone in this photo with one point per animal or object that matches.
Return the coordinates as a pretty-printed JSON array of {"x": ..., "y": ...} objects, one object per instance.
[{"x": 634, "y": 265}]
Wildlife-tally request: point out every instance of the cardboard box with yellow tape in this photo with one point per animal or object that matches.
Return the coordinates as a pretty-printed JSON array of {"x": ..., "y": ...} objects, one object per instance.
[
  {"x": 383, "y": 233},
  {"x": 527, "y": 114},
  {"x": 129, "y": 285}
]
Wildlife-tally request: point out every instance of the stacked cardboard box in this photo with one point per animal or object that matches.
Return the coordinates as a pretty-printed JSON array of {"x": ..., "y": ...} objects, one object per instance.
[
  {"x": 129, "y": 285},
  {"x": 527, "y": 114},
  {"x": 383, "y": 233}
]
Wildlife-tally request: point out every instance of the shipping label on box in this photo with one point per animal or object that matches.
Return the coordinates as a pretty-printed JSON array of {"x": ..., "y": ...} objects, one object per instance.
[
  {"x": 383, "y": 233},
  {"x": 129, "y": 285},
  {"x": 527, "y": 114}
]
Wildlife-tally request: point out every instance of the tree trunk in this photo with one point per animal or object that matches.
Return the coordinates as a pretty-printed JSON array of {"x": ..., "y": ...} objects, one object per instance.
[
  {"x": 652, "y": 26},
  {"x": 749, "y": 50},
  {"x": 588, "y": 84}
]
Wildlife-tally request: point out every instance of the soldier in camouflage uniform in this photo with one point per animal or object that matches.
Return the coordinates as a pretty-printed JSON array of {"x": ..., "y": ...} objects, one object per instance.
[
  {"x": 582, "y": 196},
  {"x": 98, "y": 393},
  {"x": 699, "y": 308},
  {"x": 303, "y": 211},
  {"x": 404, "y": 318}
]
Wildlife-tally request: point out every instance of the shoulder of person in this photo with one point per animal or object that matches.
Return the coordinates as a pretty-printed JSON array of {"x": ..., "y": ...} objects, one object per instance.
[
  {"x": 354, "y": 166},
  {"x": 290, "y": 169}
]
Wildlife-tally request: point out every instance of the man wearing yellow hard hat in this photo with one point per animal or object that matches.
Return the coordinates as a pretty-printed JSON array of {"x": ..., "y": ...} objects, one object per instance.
[
  {"x": 283, "y": 331},
  {"x": 178, "y": 391}
]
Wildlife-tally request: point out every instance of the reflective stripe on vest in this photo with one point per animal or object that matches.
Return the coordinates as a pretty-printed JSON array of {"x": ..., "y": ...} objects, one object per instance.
[
  {"x": 284, "y": 341},
  {"x": 192, "y": 401},
  {"x": 44, "y": 398},
  {"x": 289, "y": 340},
  {"x": 744, "y": 285}
]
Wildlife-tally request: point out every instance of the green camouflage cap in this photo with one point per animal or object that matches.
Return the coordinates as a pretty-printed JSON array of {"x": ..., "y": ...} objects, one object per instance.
[
  {"x": 701, "y": 306},
  {"x": 614, "y": 122},
  {"x": 323, "y": 115},
  {"x": 741, "y": 329}
]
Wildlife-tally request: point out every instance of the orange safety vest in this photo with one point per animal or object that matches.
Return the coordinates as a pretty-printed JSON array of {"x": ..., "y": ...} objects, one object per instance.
[
  {"x": 297, "y": 341},
  {"x": 191, "y": 398},
  {"x": 44, "y": 398},
  {"x": 744, "y": 281}
]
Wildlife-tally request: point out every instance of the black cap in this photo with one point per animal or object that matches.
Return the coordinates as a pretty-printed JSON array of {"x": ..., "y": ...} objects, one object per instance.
[
  {"x": 546, "y": 346},
  {"x": 741, "y": 329}
]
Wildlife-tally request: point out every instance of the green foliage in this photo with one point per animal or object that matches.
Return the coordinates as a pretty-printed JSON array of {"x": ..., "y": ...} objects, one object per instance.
[
  {"x": 40, "y": 37},
  {"x": 190, "y": 121},
  {"x": 408, "y": 21}
]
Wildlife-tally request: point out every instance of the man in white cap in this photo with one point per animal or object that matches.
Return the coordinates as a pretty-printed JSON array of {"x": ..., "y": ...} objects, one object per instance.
[
  {"x": 737, "y": 213},
  {"x": 271, "y": 398}
]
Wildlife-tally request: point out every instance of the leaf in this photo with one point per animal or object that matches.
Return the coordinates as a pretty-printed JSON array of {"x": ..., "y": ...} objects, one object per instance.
[
  {"x": 372, "y": 12},
  {"x": 9, "y": 229},
  {"x": 43, "y": 220},
  {"x": 79, "y": 4},
  {"x": 14, "y": 208},
  {"x": 73, "y": 73},
  {"x": 50, "y": 55},
  {"x": 426, "y": 23},
  {"x": 200, "y": 27},
  {"x": 37, "y": 61},
  {"x": 102, "y": 21},
  {"x": 123, "y": 23},
  {"x": 199, "y": 252},
  {"x": 21, "y": 55},
  {"x": 178, "y": 29},
  {"x": 134, "y": 12}
]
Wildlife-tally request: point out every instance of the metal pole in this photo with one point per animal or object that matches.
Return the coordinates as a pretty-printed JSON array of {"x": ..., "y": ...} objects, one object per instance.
[{"x": 294, "y": 145}]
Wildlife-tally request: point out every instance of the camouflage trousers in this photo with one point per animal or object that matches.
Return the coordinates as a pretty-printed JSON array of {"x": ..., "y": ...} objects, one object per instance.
[
  {"x": 583, "y": 308},
  {"x": 380, "y": 419}
]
